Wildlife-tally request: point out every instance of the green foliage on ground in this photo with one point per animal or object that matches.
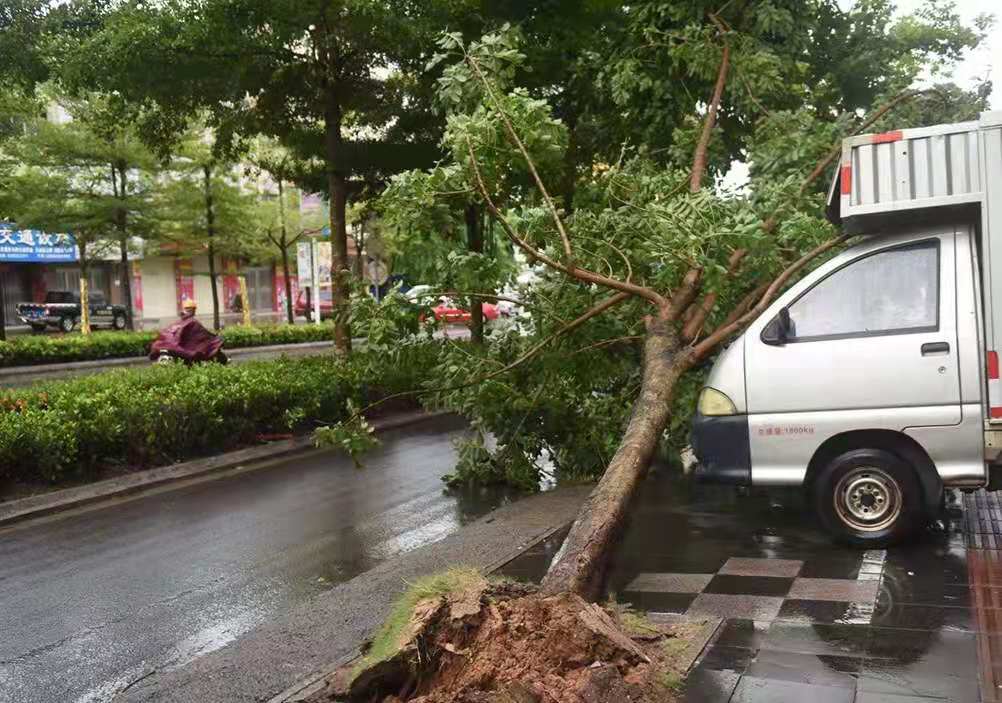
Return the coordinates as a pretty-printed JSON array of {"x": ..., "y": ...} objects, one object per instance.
[{"x": 67, "y": 430}]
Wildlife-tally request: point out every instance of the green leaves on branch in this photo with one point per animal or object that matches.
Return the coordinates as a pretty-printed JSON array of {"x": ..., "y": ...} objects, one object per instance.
[{"x": 353, "y": 436}]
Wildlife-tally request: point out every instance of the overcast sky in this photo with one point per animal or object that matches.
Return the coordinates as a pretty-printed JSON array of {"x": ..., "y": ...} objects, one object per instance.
[{"x": 987, "y": 59}]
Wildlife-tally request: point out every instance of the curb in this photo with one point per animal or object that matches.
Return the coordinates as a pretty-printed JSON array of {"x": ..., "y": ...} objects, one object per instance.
[
  {"x": 302, "y": 690},
  {"x": 117, "y": 361},
  {"x": 22, "y": 509}
]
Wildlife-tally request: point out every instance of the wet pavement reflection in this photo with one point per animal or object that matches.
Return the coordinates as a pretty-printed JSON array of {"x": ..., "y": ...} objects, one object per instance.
[
  {"x": 803, "y": 619},
  {"x": 94, "y": 601}
]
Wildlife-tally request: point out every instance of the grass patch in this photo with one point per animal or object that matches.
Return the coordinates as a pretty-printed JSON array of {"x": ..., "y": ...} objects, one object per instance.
[{"x": 395, "y": 629}]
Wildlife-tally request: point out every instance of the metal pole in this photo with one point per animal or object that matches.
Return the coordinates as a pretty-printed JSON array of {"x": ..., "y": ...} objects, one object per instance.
[{"x": 314, "y": 259}]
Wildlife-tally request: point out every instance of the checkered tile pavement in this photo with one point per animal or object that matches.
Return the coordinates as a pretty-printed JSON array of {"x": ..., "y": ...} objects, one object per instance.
[{"x": 760, "y": 589}]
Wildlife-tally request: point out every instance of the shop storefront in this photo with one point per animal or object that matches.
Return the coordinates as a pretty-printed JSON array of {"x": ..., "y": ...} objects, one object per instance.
[{"x": 33, "y": 263}]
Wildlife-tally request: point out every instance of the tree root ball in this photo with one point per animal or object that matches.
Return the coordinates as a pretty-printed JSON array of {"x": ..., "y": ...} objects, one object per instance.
[{"x": 506, "y": 643}]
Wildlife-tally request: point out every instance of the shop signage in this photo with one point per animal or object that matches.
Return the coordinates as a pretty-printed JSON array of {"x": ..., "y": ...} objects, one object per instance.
[{"x": 32, "y": 245}]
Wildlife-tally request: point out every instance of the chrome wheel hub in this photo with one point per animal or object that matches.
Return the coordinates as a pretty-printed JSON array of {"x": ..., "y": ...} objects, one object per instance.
[{"x": 868, "y": 499}]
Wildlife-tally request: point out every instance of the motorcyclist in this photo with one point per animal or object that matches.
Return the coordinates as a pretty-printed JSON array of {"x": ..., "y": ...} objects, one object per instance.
[
  {"x": 188, "y": 308},
  {"x": 187, "y": 340}
]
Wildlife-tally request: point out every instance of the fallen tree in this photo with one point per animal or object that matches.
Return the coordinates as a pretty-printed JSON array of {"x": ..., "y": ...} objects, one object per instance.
[{"x": 704, "y": 267}]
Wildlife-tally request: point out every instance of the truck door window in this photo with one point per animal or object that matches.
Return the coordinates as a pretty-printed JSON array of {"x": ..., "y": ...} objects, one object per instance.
[{"x": 895, "y": 291}]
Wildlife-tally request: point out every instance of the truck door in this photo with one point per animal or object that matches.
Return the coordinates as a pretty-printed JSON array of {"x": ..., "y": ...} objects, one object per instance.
[{"x": 871, "y": 344}]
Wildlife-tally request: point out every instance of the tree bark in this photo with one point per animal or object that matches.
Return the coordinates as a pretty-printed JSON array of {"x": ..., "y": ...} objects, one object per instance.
[
  {"x": 580, "y": 565},
  {"x": 84, "y": 290},
  {"x": 338, "y": 186},
  {"x": 210, "y": 231},
  {"x": 121, "y": 217},
  {"x": 475, "y": 243},
  {"x": 290, "y": 316},
  {"x": 285, "y": 254}
]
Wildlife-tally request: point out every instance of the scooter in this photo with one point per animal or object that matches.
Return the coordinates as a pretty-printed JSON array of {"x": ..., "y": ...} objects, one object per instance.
[{"x": 187, "y": 341}]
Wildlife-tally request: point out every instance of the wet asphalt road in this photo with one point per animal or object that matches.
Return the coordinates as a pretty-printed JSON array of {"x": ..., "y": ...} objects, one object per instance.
[{"x": 94, "y": 601}]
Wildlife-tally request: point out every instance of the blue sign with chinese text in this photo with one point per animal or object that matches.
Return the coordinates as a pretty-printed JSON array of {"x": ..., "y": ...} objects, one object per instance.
[{"x": 34, "y": 246}]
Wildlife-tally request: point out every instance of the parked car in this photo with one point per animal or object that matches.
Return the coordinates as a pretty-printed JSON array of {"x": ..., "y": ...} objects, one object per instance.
[
  {"x": 449, "y": 312},
  {"x": 326, "y": 305},
  {"x": 873, "y": 382},
  {"x": 61, "y": 310}
]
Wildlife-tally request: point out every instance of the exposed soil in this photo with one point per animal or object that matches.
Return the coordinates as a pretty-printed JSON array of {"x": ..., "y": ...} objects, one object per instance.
[{"x": 508, "y": 644}]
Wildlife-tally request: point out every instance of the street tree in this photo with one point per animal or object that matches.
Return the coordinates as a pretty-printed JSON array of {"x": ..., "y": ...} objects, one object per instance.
[
  {"x": 96, "y": 161},
  {"x": 58, "y": 186},
  {"x": 132, "y": 170},
  {"x": 279, "y": 221},
  {"x": 329, "y": 78},
  {"x": 204, "y": 208}
]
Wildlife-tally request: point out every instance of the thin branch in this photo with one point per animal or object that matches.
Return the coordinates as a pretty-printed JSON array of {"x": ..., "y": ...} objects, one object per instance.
[
  {"x": 699, "y": 157},
  {"x": 528, "y": 159},
  {"x": 748, "y": 89},
  {"x": 608, "y": 342},
  {"x": 724, "y": 332},
  {"x": 576, "y": 272}
]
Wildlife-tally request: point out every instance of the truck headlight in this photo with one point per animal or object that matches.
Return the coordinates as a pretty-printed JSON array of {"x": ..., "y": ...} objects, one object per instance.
[{"x": 713, "y": 402}]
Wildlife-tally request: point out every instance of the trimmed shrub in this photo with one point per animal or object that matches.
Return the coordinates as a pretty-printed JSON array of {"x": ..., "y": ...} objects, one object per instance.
[
  {"x": 33, "y": 350},
  {"x": 160, "y": 414}
]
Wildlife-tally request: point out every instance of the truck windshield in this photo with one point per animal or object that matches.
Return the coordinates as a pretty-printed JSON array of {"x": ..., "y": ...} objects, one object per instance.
[{"x": 59, "y": 296}]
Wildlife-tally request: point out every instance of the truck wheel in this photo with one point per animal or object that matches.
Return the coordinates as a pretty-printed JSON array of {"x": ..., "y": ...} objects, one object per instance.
[
  {"x": 118, "y": 322},
  {"x": 869, "y": 498},
  {"x": 67, "y": 324},
  {"x": 38, "y": 329}
]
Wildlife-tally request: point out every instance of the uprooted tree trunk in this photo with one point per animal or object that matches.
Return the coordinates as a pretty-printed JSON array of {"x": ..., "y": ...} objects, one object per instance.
[{"x": 580, "y": 565}]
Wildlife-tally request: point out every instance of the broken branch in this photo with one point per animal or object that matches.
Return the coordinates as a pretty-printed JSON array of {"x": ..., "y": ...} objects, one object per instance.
[{"x": 575, "y": 272}]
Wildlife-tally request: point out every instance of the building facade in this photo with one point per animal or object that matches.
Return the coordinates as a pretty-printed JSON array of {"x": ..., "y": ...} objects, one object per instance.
[{"x": 32, "y": 263}]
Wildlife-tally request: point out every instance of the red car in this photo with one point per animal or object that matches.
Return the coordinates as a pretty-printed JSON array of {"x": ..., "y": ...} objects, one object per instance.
[
  {"x": 448, "y": 311},
  {"x": 326, "y": 305}
]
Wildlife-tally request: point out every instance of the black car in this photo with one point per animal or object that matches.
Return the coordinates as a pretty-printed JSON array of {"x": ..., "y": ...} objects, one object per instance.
[{"x": 61, "y": 310}]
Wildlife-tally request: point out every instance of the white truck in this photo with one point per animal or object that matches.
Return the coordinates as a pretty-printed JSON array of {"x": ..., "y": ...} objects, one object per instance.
[{"x": 873, "y": 382}]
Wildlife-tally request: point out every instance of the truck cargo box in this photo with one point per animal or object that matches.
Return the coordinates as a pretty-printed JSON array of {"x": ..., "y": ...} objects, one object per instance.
[{"x": 886, "y": 179}]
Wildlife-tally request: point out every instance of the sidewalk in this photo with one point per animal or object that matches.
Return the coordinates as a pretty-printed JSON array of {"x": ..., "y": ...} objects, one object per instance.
[{"x": 806, "y": 620}]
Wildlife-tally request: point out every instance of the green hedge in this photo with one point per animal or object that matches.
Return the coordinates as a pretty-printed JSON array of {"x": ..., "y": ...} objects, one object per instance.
[
  {"x": 32, "y": 350},
  {"x": 159, "y": 414}
]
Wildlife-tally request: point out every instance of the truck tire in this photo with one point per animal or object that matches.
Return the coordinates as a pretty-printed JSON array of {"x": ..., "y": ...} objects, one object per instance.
[
  {"x": 869, "y": 498},
  {"x": 38, "y": 329},
  {"x": 66, "y": 324},
  {"x": 118, "y": 322}
]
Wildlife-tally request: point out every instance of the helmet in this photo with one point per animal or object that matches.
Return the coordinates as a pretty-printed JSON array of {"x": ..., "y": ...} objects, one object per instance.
[{"x": 188, "y": 304}]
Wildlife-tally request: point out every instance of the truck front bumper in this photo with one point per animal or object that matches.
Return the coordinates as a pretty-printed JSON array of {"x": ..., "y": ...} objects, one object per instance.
[{"x": 722, "y": 445}]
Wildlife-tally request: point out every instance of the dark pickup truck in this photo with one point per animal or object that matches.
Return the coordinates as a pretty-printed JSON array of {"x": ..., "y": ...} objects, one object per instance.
[{"x": 61, "y": 310}]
